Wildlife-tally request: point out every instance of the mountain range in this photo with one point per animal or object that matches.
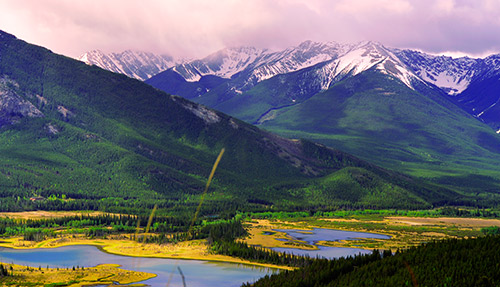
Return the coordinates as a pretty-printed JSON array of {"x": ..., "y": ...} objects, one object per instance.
[
  {"x": 86, "y": 138},
  {"x": 429, "y": 116},
  {"x": 470, "y": 82},
  {"x": 138, "y": 65}
]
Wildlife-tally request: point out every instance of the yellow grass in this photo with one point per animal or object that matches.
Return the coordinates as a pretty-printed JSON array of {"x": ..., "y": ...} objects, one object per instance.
[
  {"x": 104, "y": 274},
  {"x": 256, "y": 231},
  {"x": 194, "y": 249},
  {"x": 404, "y": 231}
]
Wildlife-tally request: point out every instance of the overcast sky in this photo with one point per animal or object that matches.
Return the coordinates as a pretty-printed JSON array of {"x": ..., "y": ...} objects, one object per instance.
[{"x": 195, "y": 28}]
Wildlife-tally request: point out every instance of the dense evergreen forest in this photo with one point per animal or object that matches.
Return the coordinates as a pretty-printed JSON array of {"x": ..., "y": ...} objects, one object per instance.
[{"x": 454, "y": 262}]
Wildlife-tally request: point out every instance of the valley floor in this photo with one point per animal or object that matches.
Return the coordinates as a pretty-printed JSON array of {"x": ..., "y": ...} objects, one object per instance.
[{"x": 404, "y": 232}]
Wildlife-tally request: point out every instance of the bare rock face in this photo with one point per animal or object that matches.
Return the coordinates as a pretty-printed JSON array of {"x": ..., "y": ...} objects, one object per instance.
[{"x": 12, "y": 106}]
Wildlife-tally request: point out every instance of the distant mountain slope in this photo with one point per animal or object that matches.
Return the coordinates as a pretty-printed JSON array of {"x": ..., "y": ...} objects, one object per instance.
[
  {"x": 451, "y": 75},
  {"x": 411, "y": 118},
  {"x": 482, "y": 97},
  {"x": 380, "y": 119},
  {"x": 253, "y": 103},
  {"x": 472, "y": 83},
  {"x": 248, "y": 66},
  {"x": 135, "y": 64},
  {"x": 106, "y": 141}
]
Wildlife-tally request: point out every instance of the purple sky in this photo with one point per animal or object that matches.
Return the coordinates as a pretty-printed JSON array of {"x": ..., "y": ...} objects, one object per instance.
[{"x": 195, "y": 28}]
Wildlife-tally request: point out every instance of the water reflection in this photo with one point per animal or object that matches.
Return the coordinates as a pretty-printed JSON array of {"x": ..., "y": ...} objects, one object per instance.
[
  {"x": 312, "y": 237},
  {"x": 196, "y": 272}
]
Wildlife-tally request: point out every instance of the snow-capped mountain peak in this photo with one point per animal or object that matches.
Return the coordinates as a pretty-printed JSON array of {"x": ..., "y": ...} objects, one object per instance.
[
  {"x": 135, "y": 64},
  {"x": 224, "y": 63},
  {"x": 306, "y": 54},
  {"x": 451, "y": 75},
  {"x": 362, "y": 57},
  {"x": 227, "y": 62}
]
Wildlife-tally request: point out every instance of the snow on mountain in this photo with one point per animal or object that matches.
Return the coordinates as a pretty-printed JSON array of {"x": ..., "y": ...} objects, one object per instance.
[
  {"x": 491, "y": 66},
  {"x": 362, "y": 57},
  {"x": 452, "y": 75},
  {"x": 135, "y": 64},
  {"x": 224, "y": 63},
  {"x": 259, "y": 65},
  {"x": 305, "y": 55},
  {"x": 328, "y": 63}
]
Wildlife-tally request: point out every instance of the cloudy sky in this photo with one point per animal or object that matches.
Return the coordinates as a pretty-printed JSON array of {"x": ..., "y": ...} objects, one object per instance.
[{"x": 195, "y": 28}]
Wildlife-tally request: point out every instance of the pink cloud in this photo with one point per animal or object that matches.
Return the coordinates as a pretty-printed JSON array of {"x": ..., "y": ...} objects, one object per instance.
[{"x": 194, "y": 28}]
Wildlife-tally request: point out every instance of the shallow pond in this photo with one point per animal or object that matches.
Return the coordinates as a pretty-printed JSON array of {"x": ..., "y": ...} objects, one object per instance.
[
  {"x": 197, "y": 273},
  {"x": 311, "y": 237}
]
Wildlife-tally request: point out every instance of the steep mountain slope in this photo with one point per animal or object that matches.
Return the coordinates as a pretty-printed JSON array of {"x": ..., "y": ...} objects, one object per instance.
[
  {"x": 98, "y": 140},
  {"x": 135, "y": 64},
  {"x": 305, "y": 55},
  {"x": 472, "y": 83},
  {"x": 379, "y": 118},
  {"x": 482, "y": 98},
  {"x": 262, "y": 100},
  {"x": 411, "y": 118},
  {"x": 246, "y": 67},
  {"x": 451, "y": 75},
  {"x": 286, "y": 78},
  {"x": 224, "y": 63}
]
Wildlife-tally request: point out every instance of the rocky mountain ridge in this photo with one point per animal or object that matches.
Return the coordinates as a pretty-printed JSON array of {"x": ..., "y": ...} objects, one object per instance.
[
  {"x": 135, "y": 64},
  {"x": 234, "y": 71}
]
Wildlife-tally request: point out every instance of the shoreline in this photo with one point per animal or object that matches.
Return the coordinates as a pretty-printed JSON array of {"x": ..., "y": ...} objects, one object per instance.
[
  {"x": 99, "y": 275},
  {"x": 111, "y": 246}
]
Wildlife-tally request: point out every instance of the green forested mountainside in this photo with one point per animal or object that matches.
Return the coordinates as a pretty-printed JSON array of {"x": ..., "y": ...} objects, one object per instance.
[
  {"x": 378, "y": 118},
  {"x": 260, "y": 102},
  {"x": 372, "y": 115},
  {"x": 416, "y": 131},
  {"x": 109, "y": 142},
  {"x": 465, "y": 262}
]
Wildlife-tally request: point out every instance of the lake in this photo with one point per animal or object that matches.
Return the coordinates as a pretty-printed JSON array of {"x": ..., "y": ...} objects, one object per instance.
[
  {"x": 196, "y": 272},
  {"x": 311, "y": 237}
]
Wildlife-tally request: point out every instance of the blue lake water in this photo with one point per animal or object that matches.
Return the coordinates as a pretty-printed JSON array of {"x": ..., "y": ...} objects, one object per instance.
[
  {"x": 311, "y": 237},
  {"x": 197, "y": 273}
]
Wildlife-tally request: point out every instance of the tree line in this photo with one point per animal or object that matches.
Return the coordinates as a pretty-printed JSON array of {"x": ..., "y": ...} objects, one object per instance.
[{"x": 453, "y": 262}]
